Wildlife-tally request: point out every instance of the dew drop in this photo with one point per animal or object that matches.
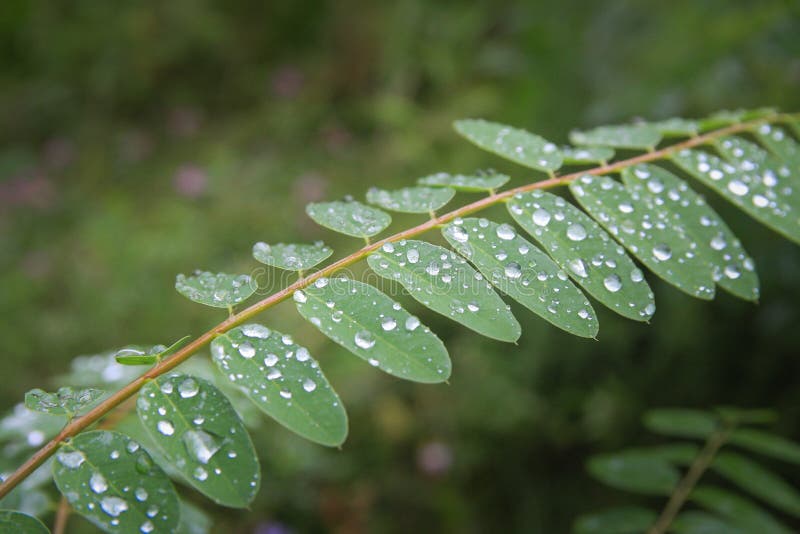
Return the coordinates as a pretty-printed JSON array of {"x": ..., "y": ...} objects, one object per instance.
[
  {"x": 141, "y": 494},
  {"x": 200, "y": 474},
  {"x": 309, "y": 385},
  {"x": 738, "y": 188},
  {"x": 147, "y": 527},
  {"x": 513, "y": 270},
  {"x": 473, "y": 306},
  {"x": 72, "y": 459},
  {"x": 364, "y": 339},
  {"x": 300, "y": 296},
  {"x": 541, "y": 217},
  {"x": 459, "y": 234},
  {"x": 165, "y": 427},
  {"x": 412, "y": 323},
  {"x": 576, "y": 232},
  {"x": 612, "y": 283},
  {"x": 412, "y": 255},
  {"x": 732, "y": 271},
  {"x": 98, "y": 483},
  {"x": 113, "y": 506},
  {"x": 388, "y": 324},
  {"x": 506, "y": 232},
  {"x": 200, "y": 445},
  {"x": 637, "y": 275},
  {"x": 188, "y": 388},
  {"x": 270, "y": 360},
  {"x": 256, "y": 330},
  {"x": 302, "y": 354},
  {"x": 286, "y": 394},
  {"x": 662, "y": 252},
  {"x": 718, "y": 242},
  {"x": 625, "y": 207},
  {"x": 578, "y": 267}
]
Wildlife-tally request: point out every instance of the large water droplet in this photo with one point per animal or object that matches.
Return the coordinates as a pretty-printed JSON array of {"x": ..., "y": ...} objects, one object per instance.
[
  {"x": 113, "y": 506},
  {"x": 71, "y": 459},
  {"x": 738, "y": 188},
  {"x": 612, "y": 283},
  {"x": 412, "y": 323},
  {"x": 188, "y": 388},
  {"x": 165, "y": 427},
  {"x": 147, "y": 527},
  {"x": 200, "y": 474},
  {"x": 541, "y": 217},
  {"x": 732, "y": 271},
  {"x": 364, "y": 339},
  {"x": 300, "y": 296},
  {"x": 141, "y": 494},
  {"x": 718, "y": 242},
  {"x": 270, "y": 360},
  {"x": 576, "y": 232},
  {"x": 247, "y": 350},
  {"x": 309, "y": 385},
  {"x": 412, "y": 255},
  {"x": 459, "y": 234},
  {"x": 662, "y": 252},
  {"x": 256, "y": 330},
  {"x": 513, "y": 270},
  {"x": 302, "y": 354},
  {"x": 98, "y": 483},
  {"x": 578, "y": 267},
  {"x": 506, "y": 232},
  {"x": 388, "y": 324},
  {"x": 200, "y": 445}
]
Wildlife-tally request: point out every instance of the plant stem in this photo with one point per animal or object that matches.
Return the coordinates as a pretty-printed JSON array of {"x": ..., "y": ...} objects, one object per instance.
[
  {"x": 62, "y": 515},
  {"x": 81, "y": 423},
  {"x": 685, "y": 487}
]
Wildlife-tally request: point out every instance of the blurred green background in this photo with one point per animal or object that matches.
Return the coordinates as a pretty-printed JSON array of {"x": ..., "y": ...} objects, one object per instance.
[{"x": 140, "y": 139}]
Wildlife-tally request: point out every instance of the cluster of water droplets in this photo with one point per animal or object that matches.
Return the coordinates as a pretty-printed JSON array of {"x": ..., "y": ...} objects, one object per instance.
[
  {"x": 486, "y": 182},
  {"x": 350, "y": 217},
  {"x": 411, "y": 199},
  {"x": 584, "y": 250},
  {"x": 215, "y": 289},
  {"x": 292, "y": 256},
  {"x": 515, "y": 144}
]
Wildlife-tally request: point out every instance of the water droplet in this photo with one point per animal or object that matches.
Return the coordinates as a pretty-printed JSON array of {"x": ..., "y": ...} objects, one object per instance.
[
  {"x": 270, "y": 360},
  {"x": 412, "y": 323},
  {"x": 578, "y": 267},
  {"x": 309, "y": 385},
  {"x": 200, "y": 474},
  {"x": 718, "y": 242},
  {"x": 274, "y": 374},
  {"x": 433, "y": 268},
  {"x": 71, "y": 459},
  {"x": 412, "y": 255},
  {"x": 625, "y": 207},
  {"x": 286, "y": 394},
  {"x": 576, "y": 232},
  {"x": 98, "y": 483},
  {"x": 256, "y": 330},
  {"x": 188, "y": 388},
  {"x": 388, "y": 324},
  {"x": 732, "y": 272},
  {"x": 612, "y": 283},
  {"x": 459, "y": 234},
  {"x": 388, "y": 248},
  {"x": 364, "y": 340},
  {"x": 200, "y": 445},
  {"x": 166, "y": 388},
  {"x": 506, "y": 232},
  {"x": 300, "y": 296},
  {"x": 473, "y": 306},
  {"x": 141, "y": 494},
  {"x": 513, "y": 270},
  {"x": 637, "y": 275},
  {"x": 147, "y": 527},
  {"x": 302, "y": 354},
  {"x": 165, "y": 427},
  {"x": 541, "y": 217},
  {"x": 760, "y": 201},
  {"x": 738, "y": 188},
  {"x": 113, "y": 506},
  {"x": 247, "y": 350},
  {"x": 662, "y": 252},
  {"x": 583, "y": 314},
  {"x": 132, "y": 446}
]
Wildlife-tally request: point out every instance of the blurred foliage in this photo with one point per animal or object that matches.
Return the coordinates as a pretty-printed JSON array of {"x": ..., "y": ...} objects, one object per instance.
[{"x": 140, "y": 139}]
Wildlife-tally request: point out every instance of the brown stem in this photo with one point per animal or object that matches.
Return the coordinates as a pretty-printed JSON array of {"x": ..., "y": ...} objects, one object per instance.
[
  {"x": 79, "y": 424},
  {"x": 684, "y": 488},
  {"x": 62, "y": 515}
]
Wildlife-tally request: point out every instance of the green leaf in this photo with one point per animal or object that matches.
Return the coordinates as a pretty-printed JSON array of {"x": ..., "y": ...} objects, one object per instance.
[
  {"x": 19, "y": 523},
  {"x": 627, "y": 520},
  {"x": 677, "y": 203},
  {"x": 444, "y": 282},
  {"x": 729, "y": 117},
  {"x": 636, "y": 472},
  {"x": 411, "y": 199},
  {"x": 630, "y": 136},
  {"x": 523, "y": 272},
  {"x": 282, "y": 379},
  {"x": 514, "y": 144},
  {"x": 684, "y": 423},
  {"x": 351, "y": 218},
  {"x": 293, "y": 256},
  {"x": 780, "y": 143},
  {"x": 66, "y": 401},
  {"x": 674, "y": 453},
  {"x": 136, "y": 355},
  {"x": 111, "y": 481},
  {"x": 375, "y": 328},
  {"x": 763, "y": 193},
  {"x": 756, "y": 480},
  {"x": 676, "y": 127},
  {"x": 739, "y": 511},
  {"x": 693, "y": 522},
  {"x": 586, "y": 252},
  {"x": 200, "y": 433},
  {"x": 193, "y": 520},
  {"x": 219, "y": 290},
  {"x": 483, "y": 181},
  {"x": 767, "y": 444},
  {"x": 663, "y": 247},
  {"x": 585, "y": 155},
  {"x": 737, "y": 416}
]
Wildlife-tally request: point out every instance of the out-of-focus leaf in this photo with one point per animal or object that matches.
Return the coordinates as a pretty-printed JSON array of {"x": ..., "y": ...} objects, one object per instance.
[
  {"x": 411, "y": 199},
  {"x": 219, "y": 290},
  {"x": 66, "y": 401},
  {"x": 586, "y": 155},
  {"x": 767, "y": 444},
  {"x": 445, "y": 283},
  {"x": 282, "y": 379},
  {"x": 13, "y": 522},
  {"x": 757, "y": 481},
  {"x": 198, "y": 431},
  {"x": 523, "y": 272},
  {"x": 628, "y": 520},
  {"x": 514, "y": 144},
  {"x": 676, "y": 127},
  {"x": 292, "y": 256},
  {"x": 636, "y": 472},
  {"x": 135, "y": 355},
  {"x": 681, "y": 422},
  {"x": 110, "y": 480},
  {"x": 375, "y": 328},
  {"x": 740, "y": 512},
  {"x": 350, "y": 218},
  {"x": 694, "y": 522}
]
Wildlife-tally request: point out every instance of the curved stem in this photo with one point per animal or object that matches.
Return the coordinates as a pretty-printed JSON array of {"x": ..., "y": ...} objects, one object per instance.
[
  {"x": 79, "y": 424},
  {"x": 62, "y": 515}
]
